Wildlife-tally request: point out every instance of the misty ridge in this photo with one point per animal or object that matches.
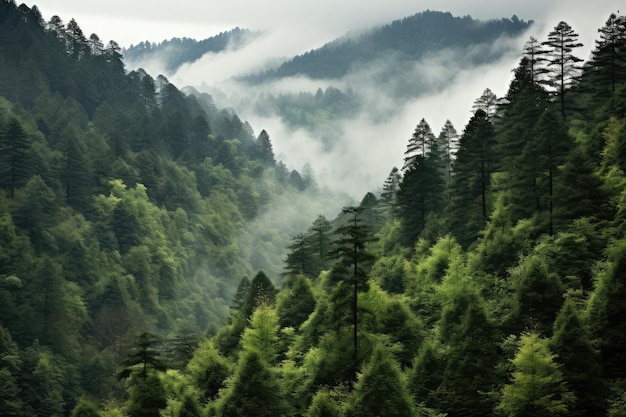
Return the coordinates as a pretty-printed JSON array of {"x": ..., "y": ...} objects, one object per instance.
[{"x": 349, "y": 106}]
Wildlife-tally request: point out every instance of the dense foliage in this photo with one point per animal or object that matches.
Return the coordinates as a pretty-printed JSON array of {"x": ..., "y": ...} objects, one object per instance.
[{"x": 486, "y": 279}]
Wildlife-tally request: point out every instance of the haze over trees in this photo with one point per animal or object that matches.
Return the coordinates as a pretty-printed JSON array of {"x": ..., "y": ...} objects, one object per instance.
[{"x": 139, "y": 275}]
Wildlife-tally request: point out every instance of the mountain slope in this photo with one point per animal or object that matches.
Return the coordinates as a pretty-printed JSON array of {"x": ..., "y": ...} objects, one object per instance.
[
  {"x": 408, "y": 39},
  {"x": 177, "y": 52}
]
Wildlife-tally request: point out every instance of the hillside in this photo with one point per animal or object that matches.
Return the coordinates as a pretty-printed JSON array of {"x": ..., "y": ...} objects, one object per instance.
[
  {"x": 156, "y": 259},
  {"x": 176, "y": 51},
  {"x": 406, "y": 40}
]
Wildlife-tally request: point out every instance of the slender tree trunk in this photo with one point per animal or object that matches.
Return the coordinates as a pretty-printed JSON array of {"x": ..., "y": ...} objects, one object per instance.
[{"x": 355, "y": 297}]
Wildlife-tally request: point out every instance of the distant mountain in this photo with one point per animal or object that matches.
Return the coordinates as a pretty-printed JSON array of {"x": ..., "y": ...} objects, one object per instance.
[
  {"x": 405, "y": 40},
  {"x": 176, "y": 51}
]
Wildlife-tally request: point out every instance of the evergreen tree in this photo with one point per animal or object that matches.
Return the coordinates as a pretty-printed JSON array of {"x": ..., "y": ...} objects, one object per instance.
[
  {"x": 472, "y": 178},
  {"x": 562, "y": 66},
  {"x": 146, "y": 396},
  {"x": 208, "y": 370},
  {"x": 254, "y": 390},
  {"x": 388, "y": 197},
  {"x": 469, "y": 363},
  {"x": 295, "y": 303},
  {"x": 548, "y": 150},
  {"x": 261, "y": 291},
  {"x": 262, "y": 334},
  {"x": 534, "y": 55},
  {"x": 300, "y": 259},
  {"x": 448, "y": 144},
  {"x": 264, "y": 146},
  {"x": 572, "y": 342},
  {"x": 419, "y": 144},
  {"x": 353, "y": 262},
  {"x": 606, "y": 309},
  {"x": 487, "y": 102},
  {"x": 579, "y": 191},
  {"x": 320, "y": 241},
  {"x": 608, "y": 62},
  {"x": 240, "y": 294},
  {"x": 144, "y": 359},
  {"x": 537, "y": 387},
  {"x": 381, "y": 389},
  {"x": 14, "y": 156},
  {"x": 420, "y": 194},
  {"x": 538, "y": 294}
]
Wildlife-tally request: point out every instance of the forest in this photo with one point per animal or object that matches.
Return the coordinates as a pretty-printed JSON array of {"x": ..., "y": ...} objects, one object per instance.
[{"x": 140, "y": 277}]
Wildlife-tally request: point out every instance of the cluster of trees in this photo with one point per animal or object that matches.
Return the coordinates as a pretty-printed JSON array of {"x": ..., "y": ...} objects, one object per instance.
[
  {"x": 382, "y": 58},
  {"x": 485, "y": 279},
  {"x": 177, "y": 52},
  {"x": 405, "y": 39},
  {"x": 125, "y": 207},
  {"x": 319, "y": 113}
]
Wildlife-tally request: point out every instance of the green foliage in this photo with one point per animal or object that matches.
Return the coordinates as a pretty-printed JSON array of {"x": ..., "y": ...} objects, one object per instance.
[
  {"x": 537, "y": 387},
  {"x": 538, "y": 294},
  {"x": 381, "y": 389},
  {"x": 295, "y": 304},
  {"x": 127, "y": 206},
  {"x": 253, "y": 390},
  {"x": 605, "y": 309},
  {"x": 208, "y": 370},
  {"x": 262, "y": 335},
  {"x": 85, "y": 408},
  {"x": 146, "y": 396},
  {"x": 576, "y": 351}
]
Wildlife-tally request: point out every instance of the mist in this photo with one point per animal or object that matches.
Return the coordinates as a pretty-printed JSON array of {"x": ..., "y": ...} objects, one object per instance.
[{"x": 364, "y": 148}]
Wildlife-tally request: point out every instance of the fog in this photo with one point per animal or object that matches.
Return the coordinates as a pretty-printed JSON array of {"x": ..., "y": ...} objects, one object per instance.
[
  {"x": 367, "y": 147},
  {"x": 364, "y": 149}
]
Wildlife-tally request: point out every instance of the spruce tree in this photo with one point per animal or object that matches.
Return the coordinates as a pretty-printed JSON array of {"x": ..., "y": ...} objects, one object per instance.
[
  {"x": 14, "y": 152},
  {"x": 472, "y": 178},
  {"x": 572, "y": 342},
  {"x": 381, "y": 389},
  {"x": 537, "y": 387},
  {"x": 608, "y": 63},
  {"x": 350, "y": 269},
  {"x": 562, "y": 66}
]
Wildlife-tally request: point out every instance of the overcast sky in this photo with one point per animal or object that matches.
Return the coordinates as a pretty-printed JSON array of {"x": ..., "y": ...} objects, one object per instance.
[{"x": 308, "y": 23}]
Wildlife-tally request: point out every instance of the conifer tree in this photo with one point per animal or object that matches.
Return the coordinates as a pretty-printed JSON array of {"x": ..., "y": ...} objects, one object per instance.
[
  {"x": 253, "y": 391},
  {"x": 264, "y": 148},
  {"x": 320, "y": 241},
  {"x": 421, "y": 193},
  {"x": 606, "y": 309},
  {"x": 300, "y": 259},
  {"x": 537, "y": 387},
  {"x": 448, "y": 144},
  {"x": 14, "y": 149},
  {"x": 295, "y": 303},
  {"x": 609, "y": 57},
  {"x": 419, "y": 144},
  {"x": 562, "y": 67},
  {"x": 534, "y": 54},
  {"x": 546, "y": 152},
  {"x": 353, "y": 262},
  {"x": 145, "y": 358},
  {"x": 572, "y": 342},
  {"x": 472, "y": 178},
  {"x": 381, "y": 389},
  {"x": 487, "y": 102}
]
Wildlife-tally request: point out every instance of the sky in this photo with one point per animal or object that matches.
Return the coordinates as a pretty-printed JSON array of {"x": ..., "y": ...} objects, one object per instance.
[
  {"x": 296, "y": 26},
  {"x": 307, "y": 23}
]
